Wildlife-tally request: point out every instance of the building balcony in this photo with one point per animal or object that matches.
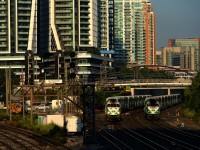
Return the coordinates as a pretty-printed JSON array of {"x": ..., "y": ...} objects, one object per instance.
[
  {"x": 22, "y": 45},
  {"x": 65, "y": 28},
  {"x": 23, "y": 39},
  {"x": 64, "y": 22},
  {"x": 3, "y": 14},
  {"x": 3, "y": 2},
  {"x": 24, "y": 8},
  {"x": 64, "y": 11},
  {"x": 3, "y": 8},
  {"x": 66, "y": 33},
  {"x": 24, "y": 2},
  {"x": 3, "y": 27},
  {"x": 84, "y": 28},
  {"x": 84, "y": 39},
  {"x": 22, "y": 33},
  {"x": 66, "y": 39},
  {"x": 3, "y": 39},
  {"x": 2, "y": 45},
  {"x": 27, "y": 21},
  {"x": 82, "y": 33},
  {"x": 68, "y": 44},
  {"x": 63, "y": 16},
  {"x": 3, "y": 21},
  {"x": 23, "y": 27},
  {"x": 25, "y": 14},
  {"x": 62, "y": 6},
  {"x": 3, "y": 33}
]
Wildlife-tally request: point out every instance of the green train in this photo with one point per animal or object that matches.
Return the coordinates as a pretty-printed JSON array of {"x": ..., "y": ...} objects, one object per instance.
[
  {"x": 154, "y": 104},
  {"x": 116, "y": 105}
]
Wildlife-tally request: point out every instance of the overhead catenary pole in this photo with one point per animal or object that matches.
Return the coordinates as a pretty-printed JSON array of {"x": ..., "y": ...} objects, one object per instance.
[
  {"x": 31, "y": 105},
  {"x": 7, "y": 87},
  {"x": 94, "y": 117},
  {"x": 23, "y": 93},
  {"x": 10, "y": 97}
]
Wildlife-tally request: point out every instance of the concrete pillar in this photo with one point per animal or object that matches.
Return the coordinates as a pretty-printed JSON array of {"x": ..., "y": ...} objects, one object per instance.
[
  {"x": 169, "y": 91},
  {"x": 132, "y": 91}
]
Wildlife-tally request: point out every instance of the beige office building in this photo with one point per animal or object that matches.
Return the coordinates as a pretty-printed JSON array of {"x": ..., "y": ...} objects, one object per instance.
[{"x": 178, "y": 57}]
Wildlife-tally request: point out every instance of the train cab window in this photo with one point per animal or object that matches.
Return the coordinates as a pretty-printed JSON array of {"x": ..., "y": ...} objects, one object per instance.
[
  {"x": 112, "y": 105},
  {"x": 108, "y": 105},
  {"x": 117, "y": 105}
]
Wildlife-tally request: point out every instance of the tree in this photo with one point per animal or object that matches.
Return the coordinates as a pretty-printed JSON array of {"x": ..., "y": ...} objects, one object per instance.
[{"x": 192, "y": 94}]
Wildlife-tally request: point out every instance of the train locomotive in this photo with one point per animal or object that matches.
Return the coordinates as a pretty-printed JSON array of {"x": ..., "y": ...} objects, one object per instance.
[
  {"x": 116, "y": 105},
  {"x": 153, "y": 105},
  {"x": 113, "y": 109}
]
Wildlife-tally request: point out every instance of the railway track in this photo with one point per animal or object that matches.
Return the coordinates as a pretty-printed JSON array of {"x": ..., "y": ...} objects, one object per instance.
[
  {"x": 113, "y": 141},
  {"x": 23, "y": 139},
  {"x": 142, "y": 134},
  {"x": 176, "y": 138},
  {"x": 136, "y": 132},
  {"x": 180, "y": 130},
  {"x": 183, "y": 138},
  {"x": 122, "y": 136}
]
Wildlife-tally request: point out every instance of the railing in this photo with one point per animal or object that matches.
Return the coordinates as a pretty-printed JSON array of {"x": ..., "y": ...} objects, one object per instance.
[{"x": 149, "y": 81}]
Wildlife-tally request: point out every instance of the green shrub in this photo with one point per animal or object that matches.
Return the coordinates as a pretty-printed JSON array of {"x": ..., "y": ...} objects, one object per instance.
[{"x": 188, "y": 113}]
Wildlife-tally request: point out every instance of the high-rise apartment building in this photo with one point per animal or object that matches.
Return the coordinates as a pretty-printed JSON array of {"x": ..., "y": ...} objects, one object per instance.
[
  {"x": 68, "y": 24},
  {"x": 192, "y": 42},
  {"x": 46, "y": 26},
  {"x": 130, "y": 27},
  {"x": 18, "y": 32},
  {"x": 150, "y": 33}
]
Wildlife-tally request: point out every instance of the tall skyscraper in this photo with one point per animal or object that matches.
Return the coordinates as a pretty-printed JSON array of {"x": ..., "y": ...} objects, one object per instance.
[{"x": 130, "y": 27}]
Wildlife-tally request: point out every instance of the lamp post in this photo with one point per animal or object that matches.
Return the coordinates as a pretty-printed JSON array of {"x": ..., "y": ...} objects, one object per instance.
[{"x": 45, "y": 98}]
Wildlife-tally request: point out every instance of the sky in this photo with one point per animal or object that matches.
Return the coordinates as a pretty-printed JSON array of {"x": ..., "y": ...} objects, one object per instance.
[{"x": 176, "y": 19}]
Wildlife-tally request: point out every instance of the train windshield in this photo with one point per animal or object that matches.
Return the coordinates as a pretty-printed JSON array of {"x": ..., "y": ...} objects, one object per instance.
[
  {"x": 113, "y": 105},
  {"x": 152, "y": 102}
]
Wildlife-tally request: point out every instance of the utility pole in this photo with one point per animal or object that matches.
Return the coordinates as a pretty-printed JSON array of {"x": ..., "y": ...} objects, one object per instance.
[{"x": 65, "y": 83}]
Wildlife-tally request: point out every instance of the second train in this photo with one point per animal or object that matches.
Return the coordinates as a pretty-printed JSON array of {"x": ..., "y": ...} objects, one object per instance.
[{"x": 116, "y": 105}]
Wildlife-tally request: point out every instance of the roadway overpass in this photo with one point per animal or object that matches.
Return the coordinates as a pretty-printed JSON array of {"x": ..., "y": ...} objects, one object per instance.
[{"x": 153, "y": 84}]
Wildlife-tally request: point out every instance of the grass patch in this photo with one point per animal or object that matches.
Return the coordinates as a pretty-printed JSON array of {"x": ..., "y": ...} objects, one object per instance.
[{"x": 50, "y": 130}]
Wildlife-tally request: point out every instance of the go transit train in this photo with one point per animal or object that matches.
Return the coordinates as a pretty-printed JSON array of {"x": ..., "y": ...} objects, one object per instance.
[
  {"x": 154, "y": 104},
  {"x": 116, "y": 105}
]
